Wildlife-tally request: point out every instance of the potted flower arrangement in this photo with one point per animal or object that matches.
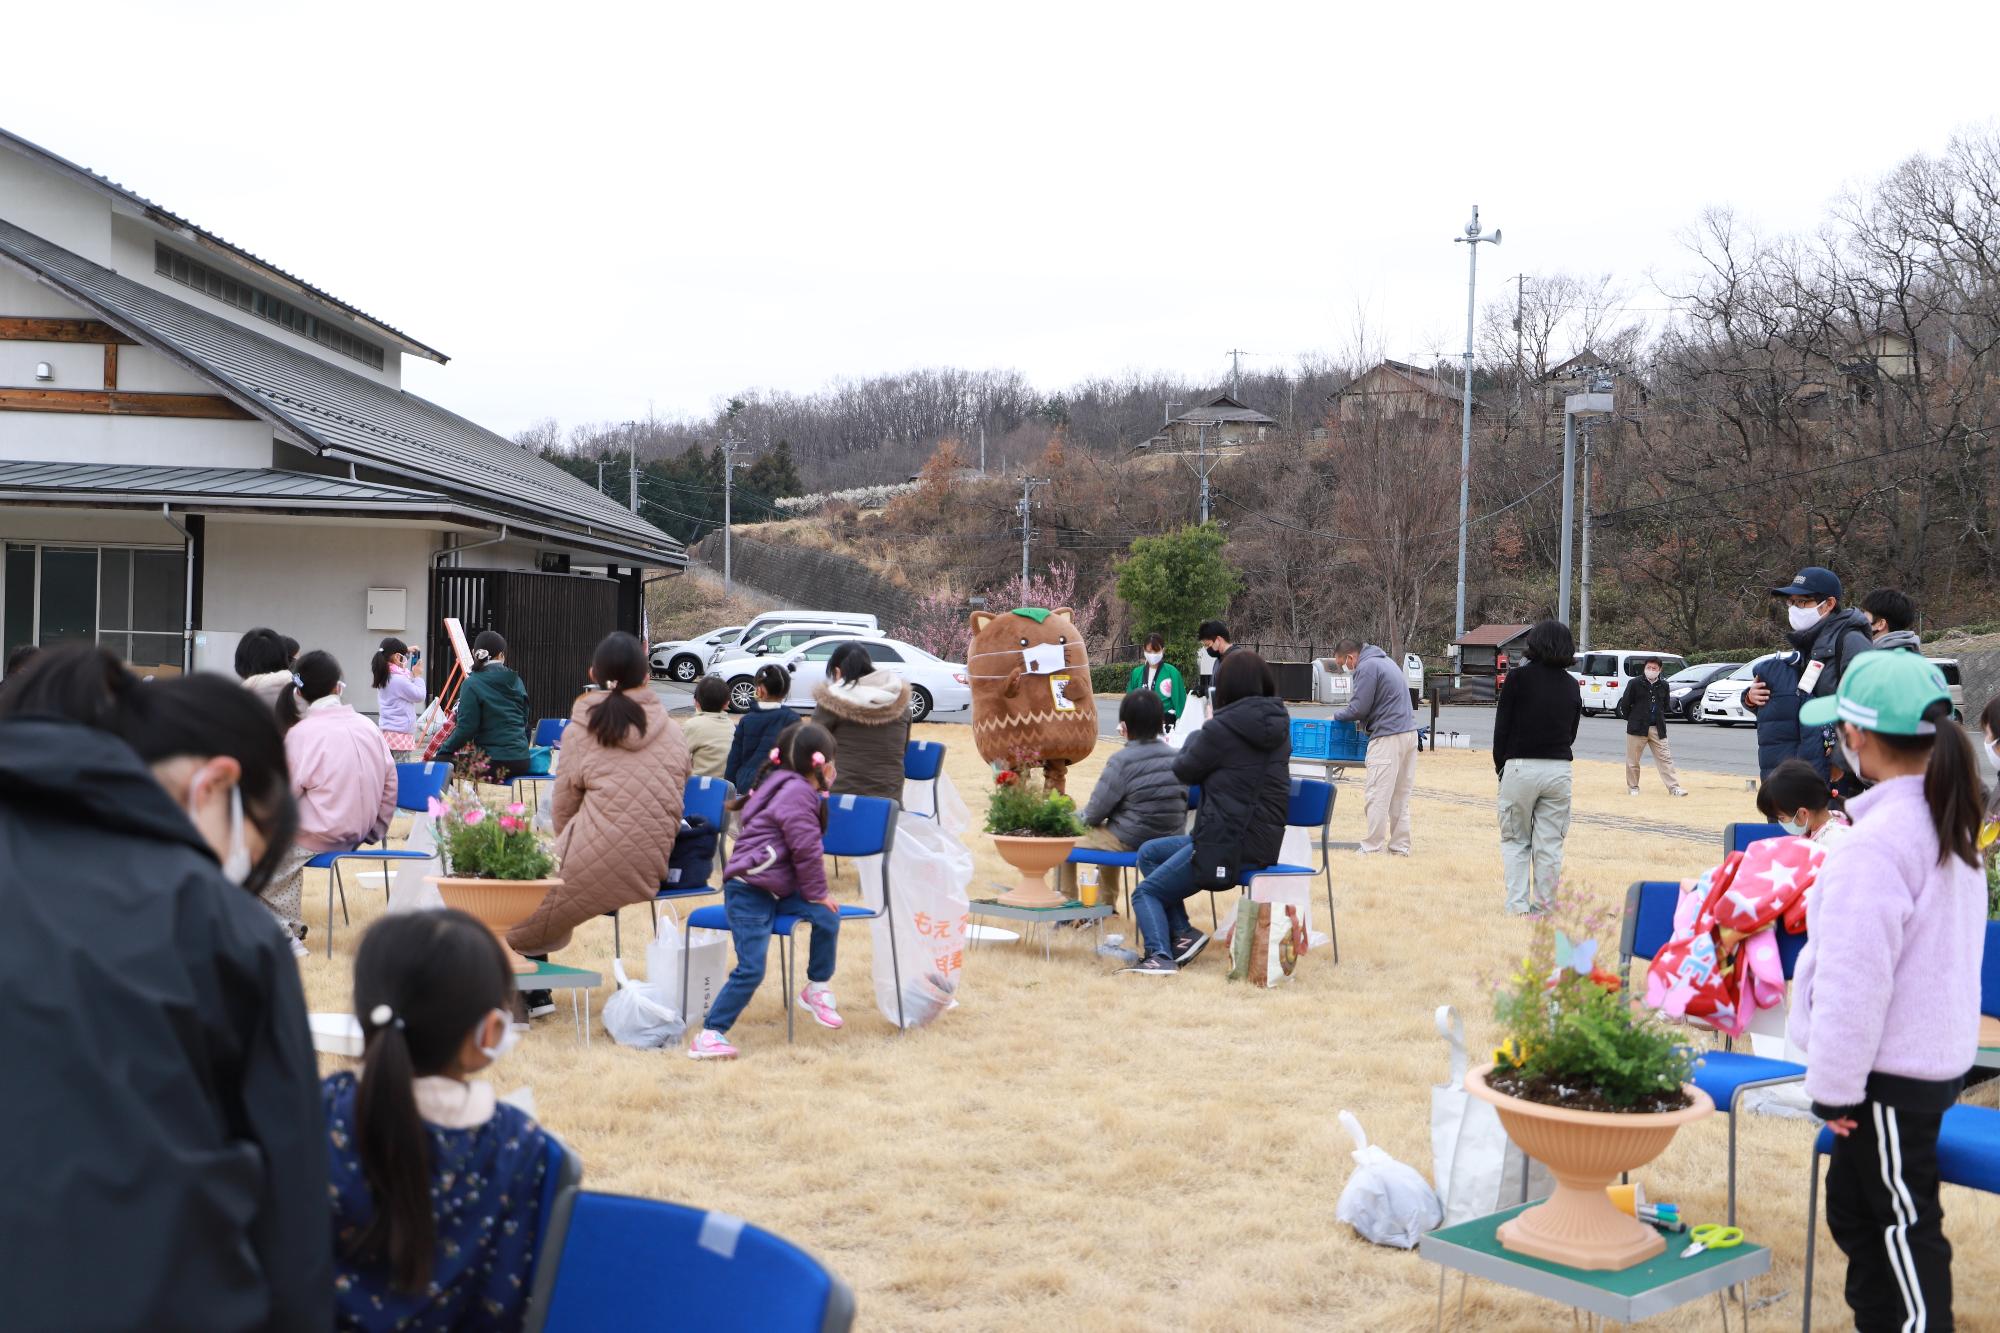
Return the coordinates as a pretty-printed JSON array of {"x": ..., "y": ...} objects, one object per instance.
[
  {"x": 1034, "y": 830},
  {"x": 1587, "y": 1084},
  {"x": 495, "y": 866}
]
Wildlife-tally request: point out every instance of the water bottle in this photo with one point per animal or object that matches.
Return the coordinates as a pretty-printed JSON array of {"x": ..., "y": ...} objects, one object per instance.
[{"x": 1114, "y": 948}]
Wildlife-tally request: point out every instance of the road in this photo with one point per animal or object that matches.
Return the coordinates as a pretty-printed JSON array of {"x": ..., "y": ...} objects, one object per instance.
[{"x": 1709, "y": 749}]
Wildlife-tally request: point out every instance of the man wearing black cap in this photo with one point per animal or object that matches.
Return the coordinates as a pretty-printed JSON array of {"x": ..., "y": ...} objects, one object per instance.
[{"x": 1825, "y": 637}]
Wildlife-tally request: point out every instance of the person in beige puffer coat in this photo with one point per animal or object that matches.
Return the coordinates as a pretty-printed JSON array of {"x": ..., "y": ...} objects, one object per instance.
[
  {"x": 618, "y": 794},
  {"x": 868, "y": 714}
]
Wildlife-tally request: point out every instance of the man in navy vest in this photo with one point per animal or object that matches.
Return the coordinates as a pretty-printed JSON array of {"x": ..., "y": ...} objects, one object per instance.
[{"x": 1825, "y": 637}]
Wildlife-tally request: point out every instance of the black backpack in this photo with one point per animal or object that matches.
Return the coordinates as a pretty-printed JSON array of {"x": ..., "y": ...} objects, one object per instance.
[{"x": 692, "y": 862}]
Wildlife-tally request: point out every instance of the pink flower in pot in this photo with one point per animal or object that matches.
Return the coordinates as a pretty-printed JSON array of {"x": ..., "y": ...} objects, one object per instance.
[{"x": 476, "y": 815}]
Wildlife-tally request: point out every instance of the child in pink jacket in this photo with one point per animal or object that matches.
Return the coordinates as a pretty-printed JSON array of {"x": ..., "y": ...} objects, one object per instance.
[
  {"x": 1886, "y": 999},
  {"x": 342, "y": 778}
]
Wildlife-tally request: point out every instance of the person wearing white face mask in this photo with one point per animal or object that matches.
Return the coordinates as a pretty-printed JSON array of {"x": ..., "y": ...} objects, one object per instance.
[
  {"x": 436, "y": 1183},
  {"x": 1646, "y": 709},
  {"x": 1826, "y": 637},
  {"x": 1156, "y": 673},
  {"x": 165, "y": 1118}
]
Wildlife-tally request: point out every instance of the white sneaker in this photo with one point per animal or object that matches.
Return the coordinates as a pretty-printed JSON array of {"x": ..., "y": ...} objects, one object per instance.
[
  {"x": 1631, "y": 791},
  {"x": 299, "y": 949}
]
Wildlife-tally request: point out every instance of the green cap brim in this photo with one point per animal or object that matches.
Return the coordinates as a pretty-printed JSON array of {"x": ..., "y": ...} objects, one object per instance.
[{"x": 1818, "y": 712}]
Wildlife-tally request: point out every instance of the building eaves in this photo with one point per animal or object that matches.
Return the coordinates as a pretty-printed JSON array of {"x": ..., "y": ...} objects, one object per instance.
[{"x": 175, "y": 222}]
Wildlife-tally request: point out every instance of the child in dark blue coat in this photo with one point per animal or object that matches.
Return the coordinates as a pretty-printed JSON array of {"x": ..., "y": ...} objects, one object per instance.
[{"x": 757, "y": 734}]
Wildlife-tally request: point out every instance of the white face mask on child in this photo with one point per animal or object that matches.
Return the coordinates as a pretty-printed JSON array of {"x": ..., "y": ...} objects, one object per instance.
[
  {"x": 1154, "y": 659},
  {"x": 510, "y": 1037}
]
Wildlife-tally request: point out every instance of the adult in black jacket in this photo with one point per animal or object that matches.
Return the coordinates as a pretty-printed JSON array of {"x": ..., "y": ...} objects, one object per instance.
[
  {"x": 161, "y": 1136},
  {"x": 1533, "y": 730},
  {"x": 1241, "y": 758},
  {"x": 1646, "y": 709}
]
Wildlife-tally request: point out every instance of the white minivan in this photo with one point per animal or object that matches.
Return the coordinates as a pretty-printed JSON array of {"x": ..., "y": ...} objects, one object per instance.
[
  {"x": 1603, "y": 673},
  {"x": 770, "y": 620}
]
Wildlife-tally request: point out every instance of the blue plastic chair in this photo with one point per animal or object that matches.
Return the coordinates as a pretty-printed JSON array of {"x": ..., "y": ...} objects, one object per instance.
[
  {"x": 642, "y": 1264},
  {"x": 1119, "y": 862},
  {"x": 708, "y": 798},
  {"x": 923, "y": 761},
  {"x": 1738, "y": 837},
  {"x": 562, "y": 1179},
  {"x": 855, "y": 826},
  {"x": 1968, "y": 1154},
  {"x": 1310, "y": 806},
  {"x": 549, "y": 732},
  {"x": 1724, "y": 1075},
  {"x": 415, "y": 785},
  {"x": 1989, "y": 973}
]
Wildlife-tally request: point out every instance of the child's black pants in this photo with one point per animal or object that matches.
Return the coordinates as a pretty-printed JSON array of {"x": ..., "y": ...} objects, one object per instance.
[{"x": 1882, "y": 1208}]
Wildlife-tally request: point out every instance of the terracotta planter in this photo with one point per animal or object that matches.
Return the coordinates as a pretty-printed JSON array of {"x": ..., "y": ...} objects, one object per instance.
[
  {"x": 1033, "y": 858},
  {"x": 1578, "y": 1225},
  {"x": 500, "y": 905}
]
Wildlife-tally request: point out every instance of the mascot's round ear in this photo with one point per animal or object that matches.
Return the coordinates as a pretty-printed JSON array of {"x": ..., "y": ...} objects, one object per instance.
[
  {"x": 1062, "y": 611},
  {"x": 980, "y": 620}
]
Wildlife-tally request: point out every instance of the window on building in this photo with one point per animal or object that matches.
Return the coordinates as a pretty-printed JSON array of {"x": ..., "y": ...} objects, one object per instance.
[
  {"x": 131, "y": 600},
  {"x": 193, "y": 273}
]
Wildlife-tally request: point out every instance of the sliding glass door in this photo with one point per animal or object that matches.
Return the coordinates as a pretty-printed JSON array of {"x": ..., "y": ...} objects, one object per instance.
[{"x": 130, "y": 599}]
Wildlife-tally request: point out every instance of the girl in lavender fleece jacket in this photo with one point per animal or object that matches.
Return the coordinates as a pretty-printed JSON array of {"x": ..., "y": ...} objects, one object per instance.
[
  {"x": 1886, "y": 1000},
  {"x": 777, "y": 868}
]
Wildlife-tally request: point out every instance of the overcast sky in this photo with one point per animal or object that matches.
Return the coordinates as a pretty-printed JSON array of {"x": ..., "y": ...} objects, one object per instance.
[{"x": 594, "y": 208}]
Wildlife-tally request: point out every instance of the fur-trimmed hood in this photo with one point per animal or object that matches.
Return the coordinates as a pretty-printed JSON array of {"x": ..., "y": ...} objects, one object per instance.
[{"x": 876, "y": 698}]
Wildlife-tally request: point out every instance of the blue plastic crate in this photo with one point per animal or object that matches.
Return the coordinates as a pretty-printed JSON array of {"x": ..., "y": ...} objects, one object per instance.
[{"x": 1325, "y": 739}]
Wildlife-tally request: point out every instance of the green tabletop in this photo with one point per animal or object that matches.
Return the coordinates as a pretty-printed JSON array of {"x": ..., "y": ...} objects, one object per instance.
[
  {"x": 1639, "y": 1292},
  {"x": 1073, "y": 910},
  {"x": 554, "y": 976}
]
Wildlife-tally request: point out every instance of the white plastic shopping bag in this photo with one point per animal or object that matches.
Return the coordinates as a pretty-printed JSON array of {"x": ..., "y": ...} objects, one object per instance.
[
  {"x": 1386, "y": 1201},
  {"x": 1478, "y": 1168},
  {"x": 930, "y": 872},
  {"x": 1191, "y": 719},
  {"x": 410, "y": 887},
  {"x": 950, "y": 812},
  {"x": 705, "y": 955},
  {"x": 639, "y": 1013}
]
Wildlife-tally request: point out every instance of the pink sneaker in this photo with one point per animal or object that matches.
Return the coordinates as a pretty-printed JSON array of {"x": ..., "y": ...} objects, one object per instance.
[
  {"x": 818, "y": 1001},
  {"x": 711, "y": 1045}
]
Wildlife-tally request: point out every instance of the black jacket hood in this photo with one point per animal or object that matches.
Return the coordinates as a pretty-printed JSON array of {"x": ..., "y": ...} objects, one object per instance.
[
  {"x": 1261, "y": 723},
  {"x": 81, "y": 775}
]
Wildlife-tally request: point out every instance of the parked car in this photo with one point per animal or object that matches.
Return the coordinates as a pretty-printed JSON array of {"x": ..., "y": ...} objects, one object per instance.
[
  {"x": 1722, "y": 700},
  {"x": 770, "y": 620},
  {"x": 683, "y": 659},
  {"x": 781, "y": 639},
  {"x": 1602, "y": 674},
  {"x": 1333, "y": 686},
  {"x": 1685, "y": 688},
  {"x": 935, "y": 685}
]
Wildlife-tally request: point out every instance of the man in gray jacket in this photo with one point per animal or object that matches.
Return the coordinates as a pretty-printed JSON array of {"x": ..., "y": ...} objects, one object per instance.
[
  {"x": 1380, "y": 702},
  {"x": 1137, "y": 797}
]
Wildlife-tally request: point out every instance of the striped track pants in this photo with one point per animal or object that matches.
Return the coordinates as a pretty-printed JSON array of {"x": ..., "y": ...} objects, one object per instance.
[{"x": 1882, "y": 1208}]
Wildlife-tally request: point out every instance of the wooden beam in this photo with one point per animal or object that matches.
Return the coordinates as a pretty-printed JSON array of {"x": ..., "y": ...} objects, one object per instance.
[
  {"x": 111, "y": 365},
  {"x": 112, "y": 402},
  {"x": 34, "y": 329}
]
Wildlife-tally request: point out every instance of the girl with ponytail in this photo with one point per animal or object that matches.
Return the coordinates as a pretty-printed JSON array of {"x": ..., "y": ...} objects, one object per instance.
[
  {"x": 436, "y": 1185},
  {"x": 342, "y": 778},
  {"x": 777, "y": 868},
  {"x": 1886, "y": 999},
  {"x": 399, "y": 696},
  {"x": 761, "y": 726}
]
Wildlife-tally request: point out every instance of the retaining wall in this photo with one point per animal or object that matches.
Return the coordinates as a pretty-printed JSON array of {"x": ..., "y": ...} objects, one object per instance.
[{"x": 805, "y": 578}]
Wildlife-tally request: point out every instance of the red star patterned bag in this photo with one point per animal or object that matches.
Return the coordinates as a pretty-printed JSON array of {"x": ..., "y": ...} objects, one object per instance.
[{"x": 1722, "y": 964}]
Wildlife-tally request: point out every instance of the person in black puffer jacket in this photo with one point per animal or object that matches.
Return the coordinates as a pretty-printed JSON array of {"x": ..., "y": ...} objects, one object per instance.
[
  {"x": 1646, "y": 708},
  {"x": 1242, "y": 761},
  {"x": 1825, "y": 638}
]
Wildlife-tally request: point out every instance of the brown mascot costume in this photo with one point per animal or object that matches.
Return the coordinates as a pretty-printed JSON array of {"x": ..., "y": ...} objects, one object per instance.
[{"x": 1031, "y": 700}]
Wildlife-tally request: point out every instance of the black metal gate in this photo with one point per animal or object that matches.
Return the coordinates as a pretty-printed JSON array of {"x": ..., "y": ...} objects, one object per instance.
[{"x": 552, "y": 623}]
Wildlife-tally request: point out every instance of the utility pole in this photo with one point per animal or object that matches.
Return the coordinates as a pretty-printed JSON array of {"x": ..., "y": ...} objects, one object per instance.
[
  {"x": 1583, "y": 584},
  {"x": 982, "y": 448},
  {"x": 1028, "y": 485},
  {"x": 600, "y": 476},
  {"x": 730, "y": 444},
  {"x": 1471, "y": 240},
  {"x": 1577, "y": 404},
  {"x": 635, "y": 476},
  {"x": 1520, "y": 294},
  {"x": 1202, "y": 465},
  {"x": 1235, "y": 355}
]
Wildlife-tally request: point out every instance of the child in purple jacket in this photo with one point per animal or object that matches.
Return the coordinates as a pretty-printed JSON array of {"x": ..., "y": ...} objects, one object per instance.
[
  {"x": 1886, "y": 999},
  {"x": 777, "y": 868}
]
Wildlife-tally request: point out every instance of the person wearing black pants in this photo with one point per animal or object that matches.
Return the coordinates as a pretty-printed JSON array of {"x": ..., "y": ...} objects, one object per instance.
[{"x": 1882, "y": 1206}]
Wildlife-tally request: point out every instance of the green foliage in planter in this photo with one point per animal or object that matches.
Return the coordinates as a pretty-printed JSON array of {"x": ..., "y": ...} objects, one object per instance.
[
  {"x": 1580, "y": 1029},
  {"x": 489, "y": 842},
  {"x": 1023, "y": 807}
]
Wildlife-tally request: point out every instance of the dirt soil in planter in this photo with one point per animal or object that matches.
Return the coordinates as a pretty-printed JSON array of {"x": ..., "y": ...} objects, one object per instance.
[{"x": 1554, "y": 1092}]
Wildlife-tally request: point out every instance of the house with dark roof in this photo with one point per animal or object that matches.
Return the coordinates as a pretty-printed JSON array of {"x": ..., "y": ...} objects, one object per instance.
[
  {"x": 194, "y": 442},
  {"x": 1393, "y": 388},
  {"x": 1219, "y": 424}
]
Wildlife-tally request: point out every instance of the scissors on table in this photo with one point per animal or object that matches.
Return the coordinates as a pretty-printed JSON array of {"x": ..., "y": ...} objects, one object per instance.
[{"x": 1710, "y": 1236}]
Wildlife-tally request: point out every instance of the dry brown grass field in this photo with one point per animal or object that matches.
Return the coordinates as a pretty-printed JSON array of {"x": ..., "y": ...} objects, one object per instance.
[{"x": 1075, "y": 1149}]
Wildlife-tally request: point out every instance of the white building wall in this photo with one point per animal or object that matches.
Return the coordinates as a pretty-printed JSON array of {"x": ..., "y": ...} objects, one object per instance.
[
  {"x": 71, "y": 365},
  {"x": 53, "y": 206},
  {"x": 153, "y": 441},
  {"x": 22, "y": 295},
  {"x": 310, "y": 580},
  {"x": 21, "y": 524},
  {"x": 133, "y": 256},
  {"x": 143, "y": 370}
]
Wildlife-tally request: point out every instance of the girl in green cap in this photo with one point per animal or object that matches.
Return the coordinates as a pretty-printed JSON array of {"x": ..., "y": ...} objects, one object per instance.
[{"x": 1886, "y": 1004}]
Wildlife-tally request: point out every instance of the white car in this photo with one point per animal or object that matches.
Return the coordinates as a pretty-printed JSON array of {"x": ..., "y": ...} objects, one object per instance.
[
  {"x": 936, "y": 686},
  {"x": 1722, "y": 702},
  {"x": 683, "y": 659},
  {"x": 854, "y": 622}
]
